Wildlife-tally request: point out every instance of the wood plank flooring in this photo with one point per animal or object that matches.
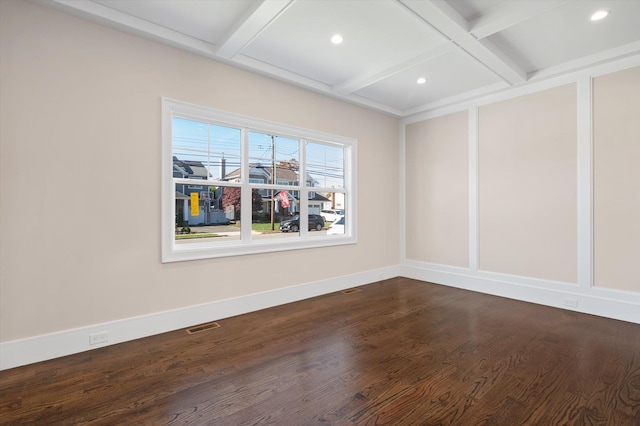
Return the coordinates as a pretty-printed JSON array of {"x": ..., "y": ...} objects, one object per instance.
[{"x": 398, "y": 352}]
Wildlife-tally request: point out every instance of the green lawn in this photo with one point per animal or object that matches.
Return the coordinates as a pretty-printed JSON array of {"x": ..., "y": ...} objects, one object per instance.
[
  {"x": 195, "y": 235},
  {"x": 262, "y": 227}
]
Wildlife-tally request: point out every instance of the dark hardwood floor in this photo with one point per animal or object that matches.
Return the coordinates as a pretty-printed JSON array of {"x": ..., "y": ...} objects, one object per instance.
[{"x": 398, "y": 352}]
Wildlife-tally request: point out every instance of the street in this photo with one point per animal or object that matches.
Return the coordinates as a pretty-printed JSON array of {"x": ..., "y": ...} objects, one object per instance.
[{"x": 232, "y": 232}]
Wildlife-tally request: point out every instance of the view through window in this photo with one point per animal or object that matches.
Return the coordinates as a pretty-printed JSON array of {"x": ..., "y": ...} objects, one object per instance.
[{"x": 241, "y": 185}]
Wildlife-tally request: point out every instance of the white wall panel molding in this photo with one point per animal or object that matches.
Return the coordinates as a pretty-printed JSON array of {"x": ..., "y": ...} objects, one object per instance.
[
  {"x": 474, "y": 246},
  {"x": 618, "y": 305},
  {"x": 616, "y": 180},
  {"x": 451, "y": 104},
  {"x": 402, "y": 187},
  {"x": 490, "y": 276},
  {"x": 436, "y": 267},
  {"x": 611, "y": 303},
  {"x": 585, "y": 181},
  {"x": 41, "y": 348}
]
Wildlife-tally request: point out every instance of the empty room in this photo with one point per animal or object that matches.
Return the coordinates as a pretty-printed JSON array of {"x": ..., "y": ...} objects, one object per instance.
[{"x": 338, "y": 212}]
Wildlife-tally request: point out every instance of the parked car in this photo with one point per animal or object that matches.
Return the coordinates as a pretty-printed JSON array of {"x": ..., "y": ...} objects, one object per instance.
[
  {"x": 315, "y": 222},
  {"x": 336, "y": 227},
  {"x": 331, "y": 215}
]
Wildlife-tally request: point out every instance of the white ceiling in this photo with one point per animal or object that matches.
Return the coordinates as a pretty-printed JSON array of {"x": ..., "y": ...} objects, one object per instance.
[{"x": 464, "y": 48}]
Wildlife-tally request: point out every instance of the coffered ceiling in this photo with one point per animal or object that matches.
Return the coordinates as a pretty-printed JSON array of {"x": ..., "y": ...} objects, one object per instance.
[{"x": 462, "y": 48}]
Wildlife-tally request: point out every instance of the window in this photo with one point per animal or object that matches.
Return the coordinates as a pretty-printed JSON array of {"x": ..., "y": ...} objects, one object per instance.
[{"x": 260, "y": 186}]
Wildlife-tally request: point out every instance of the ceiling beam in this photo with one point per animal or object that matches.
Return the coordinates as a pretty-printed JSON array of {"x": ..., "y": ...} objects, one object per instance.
[
  {"x": 370, "y": 77},
  {"x": 509, "y": 14},
  {"x": 446, "y": 20},
  {"x": 250, "y": 26},
  {"x": 289, "y": 77},
  {"x": 256, "y": 65}
]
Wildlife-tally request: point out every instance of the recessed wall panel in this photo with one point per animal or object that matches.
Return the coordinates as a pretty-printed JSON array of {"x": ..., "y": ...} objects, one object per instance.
[
  {"x": 616, "y": 196},
  {"x": 437, "y": 198},
  {"x": 528, "y": 185}
]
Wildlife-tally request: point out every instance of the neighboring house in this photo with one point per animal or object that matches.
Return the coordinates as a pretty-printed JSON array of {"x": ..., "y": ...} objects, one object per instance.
[
  {"x": 316, "y": 201},
  {"x": 189, "y": 169},
  {"x": 335, "y": 200},
  {"x": 286, "y": 174},
  {"x": 208, "y": 200}
]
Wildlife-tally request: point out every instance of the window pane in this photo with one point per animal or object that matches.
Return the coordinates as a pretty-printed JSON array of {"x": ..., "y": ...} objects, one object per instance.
[
  {"x": 224, "y": 159},
  {"x": 269, "y": 212},
  {"x": 190, "y": 149},
  {"x": 201, "y": 215},
  {"x": 334, "y": 219},
  {"x": 268, "y": 153},
  {"x": 325, "y": 165},
  {"x": 205, "y": 151},
  {"x": 337, "y": 227}
]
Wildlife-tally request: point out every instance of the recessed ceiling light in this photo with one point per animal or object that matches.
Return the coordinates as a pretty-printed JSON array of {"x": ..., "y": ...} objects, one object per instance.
[
  {"x": 600, "y": 14},
  {"x": 421, "y": 80},
  {"x": 337, "y": 39}
]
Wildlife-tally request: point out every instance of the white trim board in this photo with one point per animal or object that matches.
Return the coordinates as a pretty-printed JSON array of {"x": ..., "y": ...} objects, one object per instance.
[
  {"x": 532, "y": 86},
  {"x": 613, "y": 304},
  {"x": 30, "y": 350},
  {"x": 602, "y": 302}
]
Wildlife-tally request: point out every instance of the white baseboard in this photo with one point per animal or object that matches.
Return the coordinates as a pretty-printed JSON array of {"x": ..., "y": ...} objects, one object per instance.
[
  {"x": 41, "y": 348},
  {"x": 614, "y": 304}
]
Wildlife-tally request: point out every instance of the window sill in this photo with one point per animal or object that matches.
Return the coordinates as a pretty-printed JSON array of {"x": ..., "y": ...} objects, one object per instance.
[{"x": 199, "y": 251}]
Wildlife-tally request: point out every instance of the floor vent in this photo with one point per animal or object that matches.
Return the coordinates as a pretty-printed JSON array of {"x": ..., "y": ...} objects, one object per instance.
[
  {"x": 350, "y": 290},
  {"x": 202, "y": 327}
]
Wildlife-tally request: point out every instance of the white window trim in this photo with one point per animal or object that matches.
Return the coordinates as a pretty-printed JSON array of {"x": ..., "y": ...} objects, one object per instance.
[{"x": 171, "y": 252}]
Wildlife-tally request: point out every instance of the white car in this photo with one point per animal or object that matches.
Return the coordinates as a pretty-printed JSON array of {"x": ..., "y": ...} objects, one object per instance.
[
  {"x": 337, "y": 227},
  {"x": 331, "y": 215}
]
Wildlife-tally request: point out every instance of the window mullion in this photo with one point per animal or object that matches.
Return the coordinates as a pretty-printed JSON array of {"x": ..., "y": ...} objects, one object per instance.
[
  {"x": 245, "y": 195},
  {"x": 304, "y": 193},
  {"x": 350, "y": 204},
  {"x": 208, "y": 166}
]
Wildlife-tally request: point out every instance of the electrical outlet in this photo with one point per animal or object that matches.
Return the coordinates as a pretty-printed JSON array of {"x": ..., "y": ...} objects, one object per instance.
[
  {"x": 98, "y": 338},
  {"x": 570, "y": 302}
]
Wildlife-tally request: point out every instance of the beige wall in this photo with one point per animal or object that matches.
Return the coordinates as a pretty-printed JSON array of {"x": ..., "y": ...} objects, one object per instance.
[
  {"x": 616, "y": 150},
  {"x": 533, "y": 163},
  {"x": 528, "y": 185},
  {"x": 80, "y": 175},
  {"x": 437, "y": 190}
]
